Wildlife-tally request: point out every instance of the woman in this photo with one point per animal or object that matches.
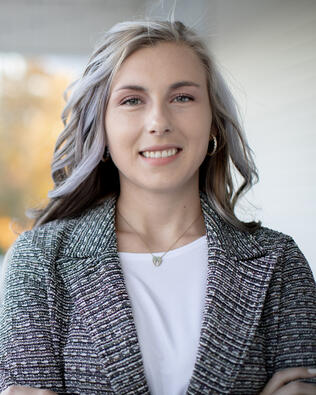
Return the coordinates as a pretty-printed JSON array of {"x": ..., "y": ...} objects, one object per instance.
[{"x": 138, "y": 276}]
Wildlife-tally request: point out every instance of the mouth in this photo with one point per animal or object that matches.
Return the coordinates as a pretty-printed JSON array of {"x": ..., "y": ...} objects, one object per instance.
[{"x": 165, "y": 153}]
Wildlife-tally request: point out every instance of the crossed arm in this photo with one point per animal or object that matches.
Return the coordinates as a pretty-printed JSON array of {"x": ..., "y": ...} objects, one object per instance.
[{"x": 282, "y": 383}]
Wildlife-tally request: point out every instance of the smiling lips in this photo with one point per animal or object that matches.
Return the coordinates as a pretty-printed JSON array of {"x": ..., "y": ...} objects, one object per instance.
[
  {"x": 157, "y": 155},
  {"x": 160, "y": 154}
]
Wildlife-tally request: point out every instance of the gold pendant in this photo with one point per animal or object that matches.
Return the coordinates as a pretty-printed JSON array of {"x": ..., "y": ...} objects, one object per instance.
[{"x": 157, "y": 260}]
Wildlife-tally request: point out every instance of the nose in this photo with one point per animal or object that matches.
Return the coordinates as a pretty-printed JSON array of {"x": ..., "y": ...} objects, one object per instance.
[{"x": 158, "y": 120}]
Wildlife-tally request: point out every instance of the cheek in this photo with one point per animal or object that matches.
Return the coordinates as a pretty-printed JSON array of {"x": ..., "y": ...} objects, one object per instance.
[
  {"x": 201, "y": 130},
  {"x": 200, "y": 139},
  {"x": 115, "y": 134},
  {"x": 121, "y": 128},
  {"x": 122, "y": 146}
]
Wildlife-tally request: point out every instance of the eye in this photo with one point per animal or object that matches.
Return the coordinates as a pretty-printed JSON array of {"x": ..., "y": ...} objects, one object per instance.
[
  {"x": 182, "y": 98},
  {"x": 131, "y": 101}
]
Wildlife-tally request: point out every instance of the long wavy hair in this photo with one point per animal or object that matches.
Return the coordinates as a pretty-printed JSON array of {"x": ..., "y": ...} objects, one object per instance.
[{"x": 82, "y": 179}]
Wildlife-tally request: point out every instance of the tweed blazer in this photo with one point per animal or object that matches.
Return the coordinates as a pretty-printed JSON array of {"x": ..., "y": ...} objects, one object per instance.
[{"x": 67, "y": 322}]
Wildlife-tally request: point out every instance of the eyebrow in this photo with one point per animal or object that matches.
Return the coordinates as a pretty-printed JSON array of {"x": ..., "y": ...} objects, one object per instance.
[{"x": 176, "y": 85}]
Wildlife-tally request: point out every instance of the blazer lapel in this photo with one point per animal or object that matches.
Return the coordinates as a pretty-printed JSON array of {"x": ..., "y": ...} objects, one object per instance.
[
  {"x": 97, "y": 287},
  {"x": 238, "y": 278}
]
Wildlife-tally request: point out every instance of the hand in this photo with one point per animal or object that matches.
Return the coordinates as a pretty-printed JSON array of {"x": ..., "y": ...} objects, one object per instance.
[
  {"x": 22, "y": 390},
  {"x": 282, "y": 383}
]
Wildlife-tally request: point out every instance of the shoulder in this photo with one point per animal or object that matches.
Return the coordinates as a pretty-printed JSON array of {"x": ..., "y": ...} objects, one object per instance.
[
  {"x": 46, "y": 238},
  {"x": 59, "y": 235},
  {"x": 282, "y": 244},
  {"x": 244, "y": 244},
  {"x": 35, "y": 252},
  {"x": 271, "y": 239},
  {"x": 291, "y": 262}
]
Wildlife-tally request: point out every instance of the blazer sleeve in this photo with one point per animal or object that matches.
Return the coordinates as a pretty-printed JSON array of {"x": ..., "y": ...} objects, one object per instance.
[
  {"x": 296, "y": 336},
  {"x": 27, "y": 354}
]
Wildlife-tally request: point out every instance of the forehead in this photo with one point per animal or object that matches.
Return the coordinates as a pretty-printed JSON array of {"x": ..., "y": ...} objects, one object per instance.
[{"x": 163, "y": 63}]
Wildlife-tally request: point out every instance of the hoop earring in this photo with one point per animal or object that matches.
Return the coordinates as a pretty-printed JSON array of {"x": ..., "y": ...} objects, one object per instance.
[
  {"x": 106, "y": 155},
  {"x": 214, "y": 146}
]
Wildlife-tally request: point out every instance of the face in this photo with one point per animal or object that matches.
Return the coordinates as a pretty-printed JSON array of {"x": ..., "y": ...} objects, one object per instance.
[{"x": 158, "y": 119}]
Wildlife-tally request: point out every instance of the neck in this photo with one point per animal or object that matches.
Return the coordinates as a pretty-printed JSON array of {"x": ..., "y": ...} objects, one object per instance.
[{"x": 160, "y": 218}]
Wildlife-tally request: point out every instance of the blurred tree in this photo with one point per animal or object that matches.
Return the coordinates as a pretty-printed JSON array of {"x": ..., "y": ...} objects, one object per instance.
[{"x": 31, "y": 104}]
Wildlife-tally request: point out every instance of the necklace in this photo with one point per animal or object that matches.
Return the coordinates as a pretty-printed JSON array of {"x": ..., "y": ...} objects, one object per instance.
[{"x": 157, "y": 260}]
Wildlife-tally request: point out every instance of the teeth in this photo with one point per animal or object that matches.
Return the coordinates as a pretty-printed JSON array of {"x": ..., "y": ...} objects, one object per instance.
[{"x": 160, "y": 154}]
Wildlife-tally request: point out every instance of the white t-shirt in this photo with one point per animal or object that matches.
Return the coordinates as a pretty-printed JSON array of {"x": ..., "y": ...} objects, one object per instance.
[{"x": 168, "y": 303}]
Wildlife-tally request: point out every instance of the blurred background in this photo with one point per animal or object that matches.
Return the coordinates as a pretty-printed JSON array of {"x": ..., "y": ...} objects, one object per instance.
[{"x": 266, "y": 50}]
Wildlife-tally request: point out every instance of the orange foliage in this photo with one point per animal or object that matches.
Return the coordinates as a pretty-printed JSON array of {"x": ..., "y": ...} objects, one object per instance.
[{"x": 29, "y": 125}]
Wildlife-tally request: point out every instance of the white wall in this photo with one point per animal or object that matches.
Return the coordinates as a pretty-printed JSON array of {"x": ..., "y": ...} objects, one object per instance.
[{"x": 270, "y": 59}]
